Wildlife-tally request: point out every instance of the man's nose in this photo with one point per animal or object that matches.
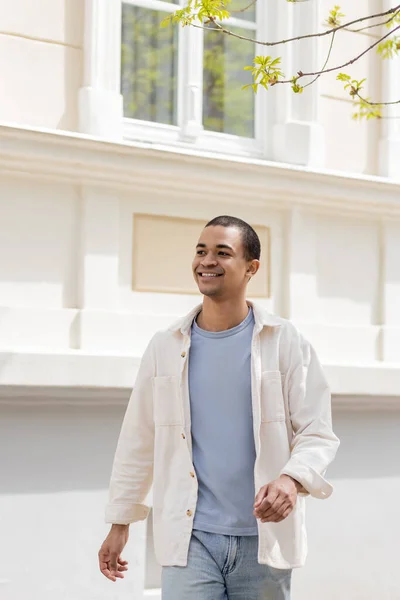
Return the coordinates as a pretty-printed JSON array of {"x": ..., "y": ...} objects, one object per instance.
[{"x": 209, "y": 260}]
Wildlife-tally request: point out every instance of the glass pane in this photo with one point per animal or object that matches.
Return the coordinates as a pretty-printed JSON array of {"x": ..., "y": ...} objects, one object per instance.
[
  {"x": 226, "y": 107},
  {"x": 149, "y": 65},
  {"x": 237, "y": 9}
]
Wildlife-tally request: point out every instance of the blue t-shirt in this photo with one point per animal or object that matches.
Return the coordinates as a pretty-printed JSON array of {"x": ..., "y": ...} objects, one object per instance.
[{"x": 222, "y": 428}]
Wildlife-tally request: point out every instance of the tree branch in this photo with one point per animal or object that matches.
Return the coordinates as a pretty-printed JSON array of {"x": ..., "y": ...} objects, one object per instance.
[
  {"x": 346, "y": 64},
  {"x": 377, "y": 103},
  {"x": 381, "y": 24},
  {"x": 365, "y": 103},
  {"x": 265, "y": 67},
  {"x": 325, "y": 64},
  {"x": 242, "y": 10},
  {"x": 392, "y": 11}
]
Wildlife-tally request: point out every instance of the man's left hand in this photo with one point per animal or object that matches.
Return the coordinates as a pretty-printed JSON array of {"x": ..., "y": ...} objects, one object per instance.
[{"x": 276, "y": 500}]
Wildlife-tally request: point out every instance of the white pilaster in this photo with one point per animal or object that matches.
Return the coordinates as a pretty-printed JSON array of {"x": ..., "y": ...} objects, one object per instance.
[
  {"x": 298, "y": 136},
  {"x": 99, "y": 250},
  {"x": 389, "y": 147},
  {"x": 191, "y": 96},
  {"x": 100, "y": 101},
  {"x": 390, "y": 294},
  {"x": 302, "y": 296}
]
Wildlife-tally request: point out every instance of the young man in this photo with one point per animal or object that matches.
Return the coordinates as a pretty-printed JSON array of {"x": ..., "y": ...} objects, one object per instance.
[{"x": 230, "y": 420}]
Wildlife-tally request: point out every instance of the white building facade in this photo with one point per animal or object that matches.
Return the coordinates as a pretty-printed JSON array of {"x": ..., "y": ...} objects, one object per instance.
[{"x": 107, "y": 175}]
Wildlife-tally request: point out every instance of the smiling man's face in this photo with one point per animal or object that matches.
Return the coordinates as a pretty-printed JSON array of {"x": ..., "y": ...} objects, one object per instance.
[{"x": 220, "y": 268}]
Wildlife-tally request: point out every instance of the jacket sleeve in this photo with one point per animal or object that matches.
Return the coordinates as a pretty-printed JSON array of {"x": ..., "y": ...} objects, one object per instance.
[
  {"x": 132, "y": 472},
  {"x": 314, "y": 445}
]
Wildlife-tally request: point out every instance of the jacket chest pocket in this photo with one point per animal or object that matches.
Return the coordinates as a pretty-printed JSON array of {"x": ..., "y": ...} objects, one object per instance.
[
  {"x": 272, "y": 400},
  {"x": 167, "y": 405}
]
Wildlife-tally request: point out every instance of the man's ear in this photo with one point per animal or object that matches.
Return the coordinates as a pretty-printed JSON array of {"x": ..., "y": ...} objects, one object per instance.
[{"x": 253, "y": 267}]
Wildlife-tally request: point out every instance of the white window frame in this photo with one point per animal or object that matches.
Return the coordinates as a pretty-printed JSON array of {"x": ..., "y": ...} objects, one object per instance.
[
  {"x": 189, "y": 131},
  {"x": 287, "y": 129}
]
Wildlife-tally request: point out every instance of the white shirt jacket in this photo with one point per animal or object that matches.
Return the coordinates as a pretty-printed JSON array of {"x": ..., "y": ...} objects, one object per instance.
[{"x": 292, "y": 432}]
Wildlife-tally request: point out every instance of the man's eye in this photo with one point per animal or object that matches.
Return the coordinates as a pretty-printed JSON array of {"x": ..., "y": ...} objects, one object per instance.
[
  {"x": 200, "y": 252},
  {"x": 223, "y": 253}
]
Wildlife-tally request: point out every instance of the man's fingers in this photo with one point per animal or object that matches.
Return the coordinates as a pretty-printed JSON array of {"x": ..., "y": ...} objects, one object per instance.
[
  {"x": 285, "y": 514},
  {"x": 113, "y": 562},
  {"x": 269, "y": 500},
  {"x": 106, "y": 571},
  {"x": 122, "y": 565},
  {"x": 119, "y": 575},
  {"x": 104, "y": 564},
  {"x": 278, "y": 515},
  {"x": 279, "y": 504},
  {"x": 266, "y": 503},
  {"x": 110, "y": 562},
  {"x": 275, "y": 498},
  {"x": 110, "y": 574},
  {"x": 104, "y": 555},
  {"x": 260, "y": 496}
]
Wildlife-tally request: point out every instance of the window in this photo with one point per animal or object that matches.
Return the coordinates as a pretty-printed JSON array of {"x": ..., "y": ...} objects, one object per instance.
[
  {"x": 184, "y": 85},
  {"x": 226, "y": 107},
  {"x": 149, "y": 60}
]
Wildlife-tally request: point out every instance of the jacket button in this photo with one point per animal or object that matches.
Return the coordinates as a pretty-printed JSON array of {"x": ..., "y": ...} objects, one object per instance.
[
  {"x": 191, "y": 474},
  {"x": 189, "y": 513},
  {"x": 183, "y": 436},
  {"x": 183, "y": 354}
]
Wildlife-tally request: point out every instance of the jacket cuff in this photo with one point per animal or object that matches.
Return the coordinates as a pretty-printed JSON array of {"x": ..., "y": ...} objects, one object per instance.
[
  {"x": 123, "y": 514},
  {"x": 309, "y": 478}
]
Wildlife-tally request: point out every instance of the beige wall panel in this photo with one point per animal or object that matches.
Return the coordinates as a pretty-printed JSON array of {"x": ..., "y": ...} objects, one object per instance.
[
  {"x": 42, "y": 82},
  {"x": 349, "y": 145},
  {"x": 164, "y": 247},
  {"x": 54, "y": 20}
]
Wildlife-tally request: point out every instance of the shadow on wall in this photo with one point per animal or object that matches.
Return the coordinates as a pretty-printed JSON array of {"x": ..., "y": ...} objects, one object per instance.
[
  {"x": 68, "y": 448},
  {"x": 54, "y": 449}
]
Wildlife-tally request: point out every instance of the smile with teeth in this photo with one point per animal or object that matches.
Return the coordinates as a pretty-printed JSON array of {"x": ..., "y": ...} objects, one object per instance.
[{"x": 210, "y": 274}]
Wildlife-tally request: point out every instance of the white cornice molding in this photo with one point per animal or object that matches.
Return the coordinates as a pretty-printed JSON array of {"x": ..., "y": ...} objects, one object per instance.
[
  {"x": 84, "y": 160},
  {"x": 375, "y": 382},
  {"x": 70, "y": 369},
  {"x": 64, "y": 396},
  {"x": 76, "y": 377}
]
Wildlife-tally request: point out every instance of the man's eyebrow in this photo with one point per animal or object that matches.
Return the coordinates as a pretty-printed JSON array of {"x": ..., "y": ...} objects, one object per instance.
[
  {"x": 201, "y": 245},
  {"x": 225, "y": 246}
]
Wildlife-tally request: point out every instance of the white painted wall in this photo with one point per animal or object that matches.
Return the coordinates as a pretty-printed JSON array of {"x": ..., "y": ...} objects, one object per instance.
[
  {"x": 41, "y": 62},
  {"x": 39, "y": 227},
  {"x": 353, "y": 537},
  {"x": 53, "y": 490}
]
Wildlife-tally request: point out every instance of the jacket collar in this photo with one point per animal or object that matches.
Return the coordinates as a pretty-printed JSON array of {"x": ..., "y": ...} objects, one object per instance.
[{"x": 261, "y": 316}]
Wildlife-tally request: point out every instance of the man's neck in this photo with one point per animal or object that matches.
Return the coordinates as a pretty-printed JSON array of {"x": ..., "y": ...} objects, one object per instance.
[{"x": 220, "y": 316}]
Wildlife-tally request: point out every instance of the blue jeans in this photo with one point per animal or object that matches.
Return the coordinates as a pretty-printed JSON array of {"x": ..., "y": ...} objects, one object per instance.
[{"x": 224, "y": 567}]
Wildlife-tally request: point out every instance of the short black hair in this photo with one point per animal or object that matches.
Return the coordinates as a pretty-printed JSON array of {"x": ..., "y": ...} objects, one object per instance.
[{"x": 251, "y": 241}]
